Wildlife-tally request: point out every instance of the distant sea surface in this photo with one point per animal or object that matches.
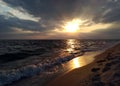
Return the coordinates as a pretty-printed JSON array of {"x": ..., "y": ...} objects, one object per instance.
[{"x": 25, "y": 58}]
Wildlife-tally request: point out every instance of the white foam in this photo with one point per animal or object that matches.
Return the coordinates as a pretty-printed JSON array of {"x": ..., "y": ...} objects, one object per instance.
[{"x": 7, "y": 77}]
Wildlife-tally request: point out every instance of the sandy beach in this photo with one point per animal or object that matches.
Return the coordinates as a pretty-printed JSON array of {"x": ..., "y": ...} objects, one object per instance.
[{"x": 103, "y": 71}]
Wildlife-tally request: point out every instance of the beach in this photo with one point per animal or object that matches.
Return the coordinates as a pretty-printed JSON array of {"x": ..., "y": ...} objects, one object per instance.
[
  {"x": 103, "y": 71},
  {"x": 41, "y": 63}
]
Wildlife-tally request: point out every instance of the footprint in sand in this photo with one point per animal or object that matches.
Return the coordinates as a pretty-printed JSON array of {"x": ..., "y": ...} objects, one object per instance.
[
  {"x": 111, "y": 58},
  {"x": 101, "y": 61},
  {"x": 96, "y": 80},
  {"x": 106, "y": 68},
  {"x": 95, "y": 69}
]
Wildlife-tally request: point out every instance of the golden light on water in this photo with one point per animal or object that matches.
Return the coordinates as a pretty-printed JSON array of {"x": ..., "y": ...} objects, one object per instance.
[
  {"x": 76, "y": 63},
  {"x": 71, "y": 46},
  {"x": 72, "y": 26},
  {"x": 79, "y": 61},
  {"x": 82, "y": 60}
]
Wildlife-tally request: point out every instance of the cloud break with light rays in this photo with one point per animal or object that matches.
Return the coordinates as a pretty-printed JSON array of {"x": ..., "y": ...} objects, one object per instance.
[{"x": 59, "y": 19}]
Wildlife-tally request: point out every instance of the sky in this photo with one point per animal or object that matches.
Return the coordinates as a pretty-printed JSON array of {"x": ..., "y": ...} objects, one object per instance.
[{"x": 54, "y": 19}]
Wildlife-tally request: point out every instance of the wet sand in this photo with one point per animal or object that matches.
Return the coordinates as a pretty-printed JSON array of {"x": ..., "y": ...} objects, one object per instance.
[{"x": 103, "y": 71}]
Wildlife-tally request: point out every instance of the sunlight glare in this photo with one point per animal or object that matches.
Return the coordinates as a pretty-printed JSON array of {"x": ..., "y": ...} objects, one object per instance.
[
  {"x": 76, "y": 63},
  {"x": 72, "y": 26}
]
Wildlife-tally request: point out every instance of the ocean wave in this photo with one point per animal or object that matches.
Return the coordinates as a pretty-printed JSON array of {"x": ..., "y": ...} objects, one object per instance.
[
  {"x": 25, "y": 49},
  {"x": 9, "y": 76}
]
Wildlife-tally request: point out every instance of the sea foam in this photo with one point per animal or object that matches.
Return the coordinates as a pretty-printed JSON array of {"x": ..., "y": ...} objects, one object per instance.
[{"x": 8, "y": 76}]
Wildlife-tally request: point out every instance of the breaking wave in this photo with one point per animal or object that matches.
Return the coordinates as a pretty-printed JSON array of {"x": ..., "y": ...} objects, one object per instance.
[{"x": 7, "y": 77}]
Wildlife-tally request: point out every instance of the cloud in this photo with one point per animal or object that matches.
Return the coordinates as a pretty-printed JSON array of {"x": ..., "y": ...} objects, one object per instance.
[
  {"x": 112, "y": 16},
  {"x": 45, "y": 16},
  {"x": 18, "y": 12},
  {"x": 110, "y": 33},
  {"x": 98, "y": 10},
  {"x": 6, "y": 24},
  {"x": 22, "y": 31},
  {"x": 54, "y": 9}
]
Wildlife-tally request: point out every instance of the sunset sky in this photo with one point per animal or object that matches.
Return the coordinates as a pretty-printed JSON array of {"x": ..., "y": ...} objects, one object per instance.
[{"x": 59, "y": 19}]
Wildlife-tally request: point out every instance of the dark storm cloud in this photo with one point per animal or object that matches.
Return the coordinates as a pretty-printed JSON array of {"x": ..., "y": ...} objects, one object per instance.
[
  {"x": 111, "y": 33},
  {"x": 52, "y": 12},
  {"x": 112, "y": 16},
  {"x": 58, "y": 9},
  {"x": 6, "y": 24},
  {"x": 50, "y": 8},
  {"x": 110, "y": 12}
]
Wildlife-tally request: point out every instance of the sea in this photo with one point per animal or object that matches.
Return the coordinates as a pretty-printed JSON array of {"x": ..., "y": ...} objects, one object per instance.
[{"x": 30, "y": 60}]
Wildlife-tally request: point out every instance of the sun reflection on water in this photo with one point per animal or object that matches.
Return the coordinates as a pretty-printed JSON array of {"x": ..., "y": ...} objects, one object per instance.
[
  {"x": 76, "y": 63},
  {"x": 71, "y": 45},
  {"x": 79, "y": 61}
]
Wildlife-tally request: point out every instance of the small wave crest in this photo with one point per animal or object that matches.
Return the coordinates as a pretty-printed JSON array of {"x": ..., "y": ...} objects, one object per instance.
[{"x": 9, "y": 76}]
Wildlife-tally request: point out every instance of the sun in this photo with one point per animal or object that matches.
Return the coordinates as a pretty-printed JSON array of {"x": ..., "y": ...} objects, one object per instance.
[{"x": 72, "y": 26}]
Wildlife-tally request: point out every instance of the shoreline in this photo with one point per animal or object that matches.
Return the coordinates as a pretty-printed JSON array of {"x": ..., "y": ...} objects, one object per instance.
[
  {"x": 46, "y": 80},
  {"x": 95, "y": 73}
]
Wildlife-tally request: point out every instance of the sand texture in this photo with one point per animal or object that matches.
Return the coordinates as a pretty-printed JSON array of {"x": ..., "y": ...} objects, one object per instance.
[{"x": 104, "y": 71}]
